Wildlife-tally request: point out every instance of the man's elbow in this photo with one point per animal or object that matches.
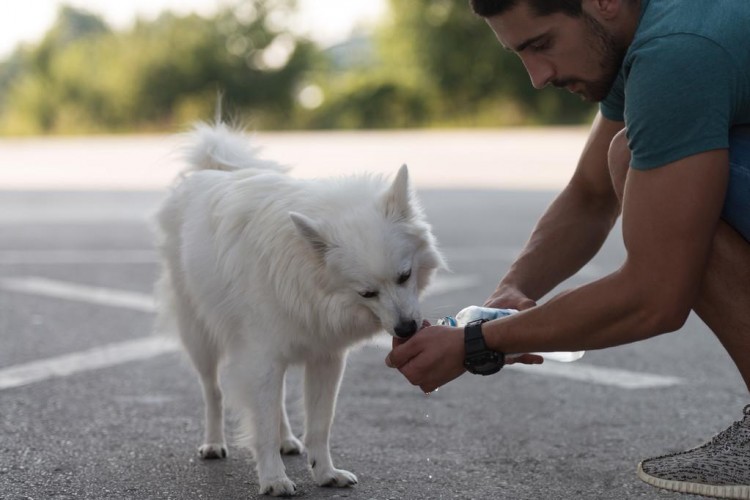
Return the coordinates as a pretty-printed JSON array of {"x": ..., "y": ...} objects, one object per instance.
[
  {"x": 663, "y": 303},
  {"x": 668, "y": 313}
]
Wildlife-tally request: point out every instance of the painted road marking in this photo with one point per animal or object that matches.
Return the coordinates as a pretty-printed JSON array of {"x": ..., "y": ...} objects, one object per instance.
[
  {"x": 80, "y": 293},
  {"x": 144, "y": 302},
  {"x": 114, "y": 354},
  {"x": 91, "y": 359},
  {"x": 578, "y": 371},
  {"x": 507, "y": 253},
  {"x": 600, "y": 375},
  {"x": 73, "y": 256},
  {"x": 444, "y": 284},
  {"x": 489, "y": 253},
  {"x": 121, "y": 352}
]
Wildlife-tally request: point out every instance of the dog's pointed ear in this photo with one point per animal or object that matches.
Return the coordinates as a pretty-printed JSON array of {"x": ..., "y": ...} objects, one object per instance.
[
  {"x": 397, "y": 204},
  {"x": 309, "y": 229}
]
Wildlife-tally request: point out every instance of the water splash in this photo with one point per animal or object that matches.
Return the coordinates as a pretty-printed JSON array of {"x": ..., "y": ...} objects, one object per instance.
[{"x": 428, "y": 418}]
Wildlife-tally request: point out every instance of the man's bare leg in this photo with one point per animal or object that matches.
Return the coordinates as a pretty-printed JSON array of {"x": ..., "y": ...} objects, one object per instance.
[{"x": 724, "y": 301}]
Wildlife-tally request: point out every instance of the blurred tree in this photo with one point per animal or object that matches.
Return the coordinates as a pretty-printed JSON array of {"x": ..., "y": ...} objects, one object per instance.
[
  {"x": 71, "y": 25},
  {"x": 371, "y": 103},
  {"x": 10, "y": 70},
  {"x": 442, "y": 45},
  {"x": 433, "y": 62},
  {"x": 161, "y": 74}
]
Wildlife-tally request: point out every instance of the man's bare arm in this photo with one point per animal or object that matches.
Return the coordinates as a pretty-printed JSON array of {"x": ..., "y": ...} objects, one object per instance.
[
  {"x": 670, "y": 215},
  {"x": 573, "y": 228}
]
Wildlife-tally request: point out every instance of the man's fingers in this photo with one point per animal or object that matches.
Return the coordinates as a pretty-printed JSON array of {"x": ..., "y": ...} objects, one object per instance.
[
  {"x": 389, "y": 362},
  {"x": 526, "y": 359},
  {"x": 526, "y": 304},
  {"x": 401, "y": 354},
  {"x": 397, "y": 342}
]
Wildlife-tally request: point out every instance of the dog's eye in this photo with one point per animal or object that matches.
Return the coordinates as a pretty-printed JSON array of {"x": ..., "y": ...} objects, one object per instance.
[
  {"x": 404, "y": 277},
  {"x": 369, "y": 294}
]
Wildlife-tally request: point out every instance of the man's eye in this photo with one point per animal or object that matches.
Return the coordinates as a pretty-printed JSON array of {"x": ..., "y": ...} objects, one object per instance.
[
  {"x": 538, "y": 47},
  {"x": 369, "y": 294},
  {"x": 404, "y": 277}
]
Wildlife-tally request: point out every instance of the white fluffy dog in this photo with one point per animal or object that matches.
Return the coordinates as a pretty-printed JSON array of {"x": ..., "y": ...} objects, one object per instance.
[{"x": 262, "y": 271}]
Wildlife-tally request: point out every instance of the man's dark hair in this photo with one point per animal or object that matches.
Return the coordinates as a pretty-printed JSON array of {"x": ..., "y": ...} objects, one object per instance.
[{"x": 489, "y": 8}]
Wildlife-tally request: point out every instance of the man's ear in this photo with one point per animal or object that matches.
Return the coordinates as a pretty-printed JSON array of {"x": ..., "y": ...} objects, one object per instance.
[
  {"x": 311, "y": 232},
  {"x": 603, "y": 9},
  {"x": 396, "y": 202}
]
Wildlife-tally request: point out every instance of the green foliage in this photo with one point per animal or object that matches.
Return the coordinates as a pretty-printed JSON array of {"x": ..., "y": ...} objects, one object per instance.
[
  {"x": 162, "y": 74},
  {"x": 432, "y": 63},
  {"x": 372, "y": 104},
  {"x": 457, "y": 55}
]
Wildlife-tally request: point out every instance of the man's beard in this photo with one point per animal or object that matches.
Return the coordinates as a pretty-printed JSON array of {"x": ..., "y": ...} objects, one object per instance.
[{"x": 612, "y": 54}]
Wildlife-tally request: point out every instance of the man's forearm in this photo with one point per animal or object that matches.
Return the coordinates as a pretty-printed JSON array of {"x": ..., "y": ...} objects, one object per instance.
[
  {"x": 569, "y": 234},
  {"x": 612, "y": 311}
]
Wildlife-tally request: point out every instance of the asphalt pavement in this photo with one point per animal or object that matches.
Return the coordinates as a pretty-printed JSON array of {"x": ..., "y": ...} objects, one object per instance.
[{"x": 92, "y": 408}]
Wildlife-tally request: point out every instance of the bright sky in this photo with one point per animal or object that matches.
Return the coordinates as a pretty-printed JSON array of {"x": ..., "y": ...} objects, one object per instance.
[{"x": 326, "y": 21}]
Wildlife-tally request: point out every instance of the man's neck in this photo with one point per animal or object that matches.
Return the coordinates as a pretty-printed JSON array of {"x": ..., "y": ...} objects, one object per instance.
[{"x": 632, "y": 18}]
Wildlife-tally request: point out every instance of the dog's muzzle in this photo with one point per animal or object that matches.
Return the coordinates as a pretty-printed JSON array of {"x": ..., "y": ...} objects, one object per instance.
[{"x": 405, "y": 328}]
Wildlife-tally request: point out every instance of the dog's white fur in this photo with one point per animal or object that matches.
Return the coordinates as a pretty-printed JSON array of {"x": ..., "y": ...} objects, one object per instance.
[{"x": 262, "y": 270}]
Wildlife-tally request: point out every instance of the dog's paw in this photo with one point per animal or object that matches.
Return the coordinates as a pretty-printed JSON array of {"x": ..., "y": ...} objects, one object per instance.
[
  {"x": 335, "y": 478},
  {"x": 291, "y": 446},
  {"x": 279, "y": 487},
  {"x": 210, "y": 451}
]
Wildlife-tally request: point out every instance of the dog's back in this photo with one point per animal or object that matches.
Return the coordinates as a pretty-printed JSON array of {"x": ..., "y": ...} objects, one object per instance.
[{"x": 215, "y": 156}]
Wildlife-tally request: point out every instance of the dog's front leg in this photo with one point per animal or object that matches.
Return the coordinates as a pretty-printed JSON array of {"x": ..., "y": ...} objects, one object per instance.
[{"x": 322, "y": 379}]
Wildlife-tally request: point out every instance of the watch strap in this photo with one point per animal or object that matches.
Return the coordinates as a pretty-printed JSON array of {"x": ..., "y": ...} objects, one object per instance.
[{"x": 473, "y": 338}]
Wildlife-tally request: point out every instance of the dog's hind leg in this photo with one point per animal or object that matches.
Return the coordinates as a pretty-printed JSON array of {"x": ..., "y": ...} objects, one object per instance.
[
  {"x": 255, "y": 381},
  {"x": 290, "y": 445},
  {"x": 205, "y": 357},
  {"x": 214, "y": 444},
  {"x": 322, "y": 380}
]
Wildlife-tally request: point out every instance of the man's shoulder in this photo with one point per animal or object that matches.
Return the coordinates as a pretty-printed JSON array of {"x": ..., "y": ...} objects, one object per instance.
[{"x": 673, "y": 22}]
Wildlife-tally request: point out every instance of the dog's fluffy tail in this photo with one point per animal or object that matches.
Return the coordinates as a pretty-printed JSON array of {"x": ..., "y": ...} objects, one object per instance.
[{"x": 222, "y": 147}]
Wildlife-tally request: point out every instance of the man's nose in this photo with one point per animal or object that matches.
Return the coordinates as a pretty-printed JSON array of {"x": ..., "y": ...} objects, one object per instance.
[{"x": 541, "y": 72}]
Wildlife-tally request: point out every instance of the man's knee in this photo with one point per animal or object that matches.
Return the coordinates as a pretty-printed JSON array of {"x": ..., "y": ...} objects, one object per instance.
[{"x": 619, "y": 161}]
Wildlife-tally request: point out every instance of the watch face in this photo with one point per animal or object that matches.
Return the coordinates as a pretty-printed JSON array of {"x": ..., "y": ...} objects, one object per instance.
[{"x": 486, "y": 363}]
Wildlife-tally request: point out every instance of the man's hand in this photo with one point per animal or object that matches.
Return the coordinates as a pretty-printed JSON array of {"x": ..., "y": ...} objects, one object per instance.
[
  {"x": 509, "y": 298},
  {"x": 505, "y": 297},
  {"x": 431, "y": 358},
  {"x": 435, "y": 355}
]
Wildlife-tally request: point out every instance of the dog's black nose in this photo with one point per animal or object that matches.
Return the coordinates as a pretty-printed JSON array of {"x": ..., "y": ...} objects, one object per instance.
[{"x": 405, "y": 328}]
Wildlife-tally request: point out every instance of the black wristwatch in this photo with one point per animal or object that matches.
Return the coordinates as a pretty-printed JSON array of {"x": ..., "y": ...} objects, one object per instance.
[{"x": 477, "y": 358}]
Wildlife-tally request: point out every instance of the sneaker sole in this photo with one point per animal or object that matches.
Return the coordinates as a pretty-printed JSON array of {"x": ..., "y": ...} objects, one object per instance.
[{"x": 739, "y": 492}]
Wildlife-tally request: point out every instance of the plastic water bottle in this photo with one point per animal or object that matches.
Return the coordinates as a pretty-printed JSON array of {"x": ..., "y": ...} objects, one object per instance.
[{"x": 473, "y": 313}]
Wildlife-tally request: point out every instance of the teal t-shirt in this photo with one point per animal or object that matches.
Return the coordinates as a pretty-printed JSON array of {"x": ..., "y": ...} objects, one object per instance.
[{"x": 685, "y": 79}]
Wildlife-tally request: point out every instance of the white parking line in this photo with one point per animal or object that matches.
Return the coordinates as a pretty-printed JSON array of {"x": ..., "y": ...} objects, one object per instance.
[
  {"x": 124, "y": 352},
  {"x": 500, "y": 253},
  {"x": 91, "y": 359},
  {"x": 73, "y": 256},
  {"x": 80, "y": 293},
  {"x": 600, "y": 375},
  {"x": 581, "y": 372},
  {"x": 445, "y": 284},
  {"x": 144, "y": 302}
]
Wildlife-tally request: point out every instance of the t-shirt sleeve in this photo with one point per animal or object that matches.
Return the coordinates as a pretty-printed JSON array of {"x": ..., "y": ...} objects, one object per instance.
[{"x": 679, "y": 95}]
